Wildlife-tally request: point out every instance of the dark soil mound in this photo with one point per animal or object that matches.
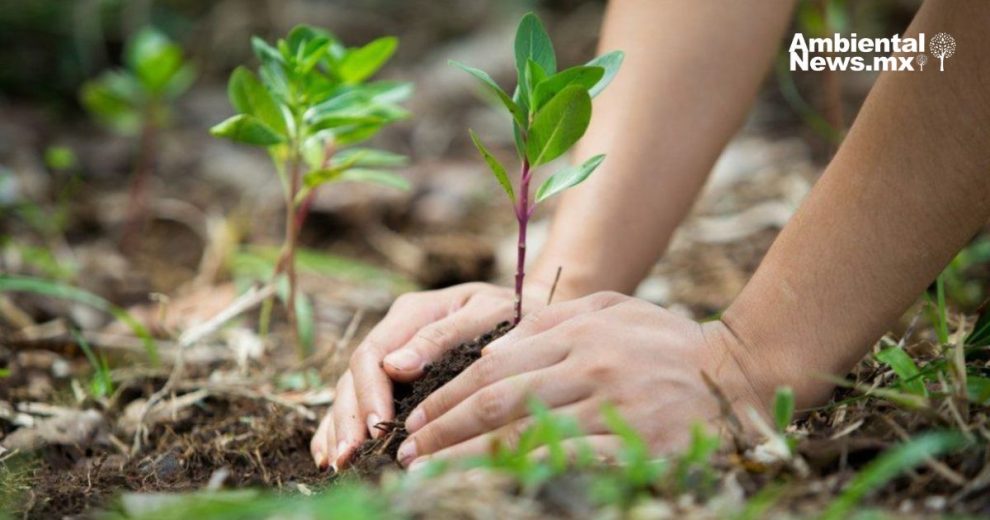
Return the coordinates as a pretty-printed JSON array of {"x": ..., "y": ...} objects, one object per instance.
[{"x": 376, "y": 455}]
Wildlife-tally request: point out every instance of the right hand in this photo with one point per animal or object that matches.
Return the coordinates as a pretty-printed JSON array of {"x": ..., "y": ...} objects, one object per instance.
[{"x": 417, "y": 330}]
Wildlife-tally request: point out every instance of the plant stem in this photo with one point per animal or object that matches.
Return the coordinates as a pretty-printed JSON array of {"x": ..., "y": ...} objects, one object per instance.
[
  {"x": 522, "y": 216},
  {"x": 143, "y": 164},
  {"x": 291, "y": 238}
]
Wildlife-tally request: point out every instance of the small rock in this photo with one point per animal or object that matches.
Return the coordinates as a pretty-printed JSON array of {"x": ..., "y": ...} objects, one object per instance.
[{"x": 78, "y": 428}]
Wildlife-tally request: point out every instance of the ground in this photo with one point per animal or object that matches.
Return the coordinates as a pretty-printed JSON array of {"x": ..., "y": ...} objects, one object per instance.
[{"x": 224, "y": 418}]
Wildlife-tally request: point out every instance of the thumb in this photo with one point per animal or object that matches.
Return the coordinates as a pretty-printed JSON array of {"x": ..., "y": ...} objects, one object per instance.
[
  {"x": 430, "y": 343},
  {"x": 553, "y": 315}
]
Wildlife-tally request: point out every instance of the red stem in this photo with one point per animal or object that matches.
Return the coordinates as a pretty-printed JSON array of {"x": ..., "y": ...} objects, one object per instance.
[{"x": 523, "y": 213}]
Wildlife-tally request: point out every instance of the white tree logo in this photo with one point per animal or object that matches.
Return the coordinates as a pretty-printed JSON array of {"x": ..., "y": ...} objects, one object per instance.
[
  {"x": 942, "y": 46},
  {"x": 922, "y": 59}
]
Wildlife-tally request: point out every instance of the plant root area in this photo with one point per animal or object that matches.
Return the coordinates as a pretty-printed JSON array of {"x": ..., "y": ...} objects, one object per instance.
[{"x": 375, "y": 456}]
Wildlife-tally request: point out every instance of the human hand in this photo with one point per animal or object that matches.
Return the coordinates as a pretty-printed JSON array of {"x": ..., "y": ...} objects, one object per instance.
[
  {"x": 575, "y": 358},
  {"x": 417, "y": 330}
]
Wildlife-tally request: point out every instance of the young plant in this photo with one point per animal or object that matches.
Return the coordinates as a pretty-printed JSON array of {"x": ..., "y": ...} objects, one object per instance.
[
  {"x": 136, "y": 101},
  {"x": 550, "y": 111},
  {"x": 309, "y": 102}
]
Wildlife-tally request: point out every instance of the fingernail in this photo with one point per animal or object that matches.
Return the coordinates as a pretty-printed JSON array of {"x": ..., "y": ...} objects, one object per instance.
[
  {"x": 415, "y": 421},
  {"x": 407, "y": 452},
  {"x": 320, "y": 459},
  {"x": 404, "y": 360},
  {"x": 373, "y": 420},
  {"x": 341, "y": 446},
  {"x": 495, "y": 345}
]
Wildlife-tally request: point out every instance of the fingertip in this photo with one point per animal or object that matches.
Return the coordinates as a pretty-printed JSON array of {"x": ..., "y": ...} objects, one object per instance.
[
  {"x": 373, "y": 420},
  {"x": 416, "y": 420},
  {"x": 404, "y": 361},
  {"x": 344, "y": 452}
]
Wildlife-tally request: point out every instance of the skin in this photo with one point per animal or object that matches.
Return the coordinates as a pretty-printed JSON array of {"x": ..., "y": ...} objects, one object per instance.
[{"x": 906, "y": 190}]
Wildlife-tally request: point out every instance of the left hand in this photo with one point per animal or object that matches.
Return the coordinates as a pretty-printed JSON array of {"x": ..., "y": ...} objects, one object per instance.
[{"x": 576, "y": 357}]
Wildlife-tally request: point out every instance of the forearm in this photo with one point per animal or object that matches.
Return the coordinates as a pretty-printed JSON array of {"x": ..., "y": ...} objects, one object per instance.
[
  {"x": 908, "y": 188},
  {"x": 691, "y": 72}
]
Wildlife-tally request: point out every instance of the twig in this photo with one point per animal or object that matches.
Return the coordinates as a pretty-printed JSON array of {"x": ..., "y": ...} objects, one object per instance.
[
  {"x": 244, "y": 303},
  {"x": 937, "y": 466},
  {"x": 728, "y": 414},
  {"x": 553, "y": 288}
]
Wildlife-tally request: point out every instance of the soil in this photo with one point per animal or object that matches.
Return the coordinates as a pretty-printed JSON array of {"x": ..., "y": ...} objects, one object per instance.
[
  {"x": 255, "y": 443},
  {"x": 375, "y": 456}
]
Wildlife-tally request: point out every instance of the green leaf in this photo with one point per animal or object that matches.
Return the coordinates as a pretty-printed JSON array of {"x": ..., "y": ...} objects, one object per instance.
[
  {"x": 250, "y": 97},
  {"x": 312, "y": 54},
  {"x": 359, "y": 64},
  {"x": 496, "y": 167},
  {"x": 978, "y": 389},
  {"x": 274, "y": 77},
  {"x": 265, "y": 52},
  {"x": 387, "y": 91},
  {"x": 383, "y": 177},
  {"x": 114, "y": 100},
  {"x": 905, "y": 368},
  {"x": 368, "y": 158},
  {"x": 179, "y": 82},
  {"x": 534, "y": 76},
  {"x": 558, "y": 125},
  {"x": 257, "y": 263},
  {"x": 583, "y": 76},
  {"x": 891, "y": 463},
  {"x": 10, "y": 283},
  {"x": 102, "y": 383},
  {"x": 153, "y": 58},
  {"x": 532, "y": 43},
  {"x": 567, "y": 178},
  {"x": 517, "y": 113},
  {"x": 247, "y": 129},
  {"x": 783, "y": 407},
  {"x": 981, "y": 332},
  {"x": 60, "y": 157},
  {"x": 610, "y": 62},
  {"x": 316, "y": 178},
  {"x": 942, "y": 313}
]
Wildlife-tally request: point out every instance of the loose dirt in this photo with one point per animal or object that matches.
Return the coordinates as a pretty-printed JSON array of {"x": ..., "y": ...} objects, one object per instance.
[{"x": 376, "y": 455}]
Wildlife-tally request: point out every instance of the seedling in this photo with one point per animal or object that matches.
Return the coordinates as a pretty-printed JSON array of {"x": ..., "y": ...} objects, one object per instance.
[
  {"x": 101, "y": 384},
  {"x": 136, "y": 101},
  {"x": 550, "y": 111},
  {"x": 310, "y": 101}
]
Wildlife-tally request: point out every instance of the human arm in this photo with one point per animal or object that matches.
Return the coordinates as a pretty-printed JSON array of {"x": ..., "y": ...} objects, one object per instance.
[
  {"x": 691, "y": 72},
  {"x": 907, "y": 189},
  {"x": 696, "y": 67}
]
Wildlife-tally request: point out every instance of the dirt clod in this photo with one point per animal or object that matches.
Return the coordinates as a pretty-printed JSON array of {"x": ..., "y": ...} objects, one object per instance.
[{"x": 376, "y": 455}]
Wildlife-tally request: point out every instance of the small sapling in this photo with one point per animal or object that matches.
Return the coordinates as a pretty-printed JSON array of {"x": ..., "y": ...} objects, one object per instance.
[
  {"x": 309, "y": 103},
  {"x": 550, "y": 111},
  {"x": 136, "y": 100}
]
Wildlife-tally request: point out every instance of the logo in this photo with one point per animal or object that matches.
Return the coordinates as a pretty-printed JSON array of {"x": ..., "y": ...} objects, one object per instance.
[{"x": 852, "y": 53}]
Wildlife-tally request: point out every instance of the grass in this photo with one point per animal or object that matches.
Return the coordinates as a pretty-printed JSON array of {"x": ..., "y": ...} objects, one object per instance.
[
  {"x": 889, "y": 465},
  {"x": 52, "y": 289}
]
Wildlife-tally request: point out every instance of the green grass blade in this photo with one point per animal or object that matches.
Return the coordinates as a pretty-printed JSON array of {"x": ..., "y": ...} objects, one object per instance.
[
  {"x": 102, "y": 383},
  {"x": 783, "y": 407},
  {"x": 905, "y": 368},
  {"x": 12, "y": 283},
  {"x": 942, "y": 315},
  {"x": 981, "y": 332},
  {"x": 891, "y": 463}
]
